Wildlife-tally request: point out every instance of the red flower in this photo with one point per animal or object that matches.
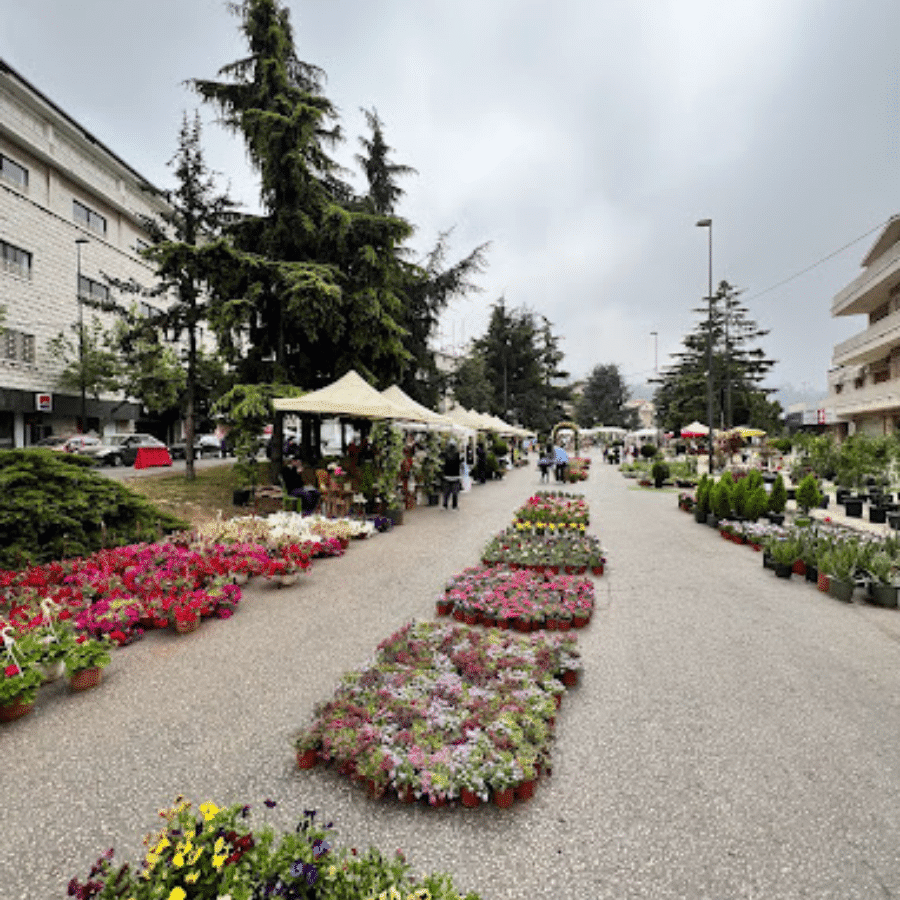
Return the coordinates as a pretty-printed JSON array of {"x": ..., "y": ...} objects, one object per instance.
[
  {"x": 119, "y": 636},
  {"x": 81, "y": 639},
  {"x": 11, "y": 671},
  {"x": 65, "y": 614}
]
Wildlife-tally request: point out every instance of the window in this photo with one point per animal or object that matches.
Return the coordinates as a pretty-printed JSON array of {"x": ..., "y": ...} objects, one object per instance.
[
  {"x": 15, "y": 260},
  {"x": 18, "y": 345},
  {"x": 88, "y": 289},
  {"x": 13, "y": 172},
  {"x": 88, "y": 217}
]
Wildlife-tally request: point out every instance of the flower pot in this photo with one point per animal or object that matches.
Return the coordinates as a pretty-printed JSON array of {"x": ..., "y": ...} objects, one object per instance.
[
  {"x": 580, "y": 621},
  {"x": 503, "y": 623},
  {"x": 812, "y": 574},
  {"x": 147, "y": 622},
  {"x": 469, "y": 798},
  {"x": 552, "y": 624},
  {"x": 504, "y": 799},
  {"x": 799, "y": 567},
  {"x": 9, "y": 712},
  {"x": 525, "y": 789},
  {"x": 597, "y": 570},
  {"x": 884, "y": 595},
  {"x": 554, "y": 570},
  {"x": 782, "y": 570},
  {"x": 86, "y": 678},
  {"x": 459, "y": 615},
  {"x": 822, "y": 582},
  {"x": 558, "y": 699},
  {"x": 565, "y": 625},
  {"x": 307, "y": 759},
  {"x": 570, "y": 677},
  {"x": 444, "y": 607},
  {"x": 877, "y": 514},
  {"x": 840, "y": 590},
  {"x": 522, "y": 625},
  {"x": 289, "y": 579},
  {"x": 853, "y": 508},
  {"x": 776, "y": 518},
  {"x": 54, "y": 671},
  {"x": 471, "y": 618},
  {"x": 405, "y": 794},
  {"x": 186, "y": 626},
  {"x": 240, "y": 497},
  {"x": 489, "y": 621},
  {"x": 437, "y": 802}
]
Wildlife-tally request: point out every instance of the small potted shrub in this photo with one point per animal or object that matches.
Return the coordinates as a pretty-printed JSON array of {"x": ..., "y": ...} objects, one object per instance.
[
  {"x": 85, "y": 660},
  {"x": 659, "y": 472},
  {"x": 882, "y": 587},
  {"x": 777, "y": 501}
]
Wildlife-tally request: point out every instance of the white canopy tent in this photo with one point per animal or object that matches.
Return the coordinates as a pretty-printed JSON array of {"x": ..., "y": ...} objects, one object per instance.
[{"x": 417, "y": 411}]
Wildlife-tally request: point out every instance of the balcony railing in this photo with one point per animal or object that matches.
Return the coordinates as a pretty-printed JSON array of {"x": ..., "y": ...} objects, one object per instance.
[
  {"x": 868, "y": 281},
  {"x": 870, "y": 398},
  {"x": 873, "y": 343}
]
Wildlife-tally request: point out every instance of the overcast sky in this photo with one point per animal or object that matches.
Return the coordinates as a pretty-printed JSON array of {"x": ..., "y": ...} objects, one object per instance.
[{"x": 583, "y": 139}]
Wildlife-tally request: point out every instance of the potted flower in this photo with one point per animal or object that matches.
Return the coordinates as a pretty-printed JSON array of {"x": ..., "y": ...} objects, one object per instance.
[
  {"x": 18, "y": 685},
  {"x": 47, "y": 648},
  {"x": 85, "y": 660}
]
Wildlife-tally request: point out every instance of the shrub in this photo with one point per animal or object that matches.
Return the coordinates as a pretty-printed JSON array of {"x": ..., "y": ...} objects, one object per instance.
[
  {"x": 702, "y": 506},
  {"x": 757, "y": 503},
  {"x": 739, "y": 497},
  {"x": 53, "y": 506},
  {"x": 721, "y": 500},
  {"x": 648, "y": 451},
  {"x": 660, "y": 472},
  {"x": 808, "y": 494},
  {"x": 778, "y": 497}
]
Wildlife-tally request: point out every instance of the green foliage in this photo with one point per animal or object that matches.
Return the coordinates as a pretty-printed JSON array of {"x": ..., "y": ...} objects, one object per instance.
[
  {"x": 648, "y": 451},
  {"x": 704, "y": 487},
  {"x": 94, "y": 364},
  {"x": 387, "y": 442},
  {"x": 778, "y": 496},
  {"x": 721, "y": 499},
  {"x": 784, "y": 550},
  {"x": 740, "y": 495},
  {"x": 603, "y": 400},
  {"x": 54, "y": 506},
  {"x": 808, "y": 494},
  {"x": 757, "y": 503},
  {"x": 660, "y": 472},
  {"x": 782, "y": 445},
  {"x": 92, "y": 653}
]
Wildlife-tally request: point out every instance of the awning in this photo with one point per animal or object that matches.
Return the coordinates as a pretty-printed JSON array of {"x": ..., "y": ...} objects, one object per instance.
[
  {"x": 417, "y": 412},
  {"x": 695, "y": 429},
  {"x": 351, "y": 396}
]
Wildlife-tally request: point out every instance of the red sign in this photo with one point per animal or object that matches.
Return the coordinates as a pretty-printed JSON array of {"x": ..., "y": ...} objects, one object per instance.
[{"x": 43, "y": 402}]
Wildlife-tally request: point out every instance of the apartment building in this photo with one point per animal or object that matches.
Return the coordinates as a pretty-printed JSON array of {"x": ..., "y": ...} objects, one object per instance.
[
  {"x": 68, "y": 204},
  {"x": 864, "y": 381}
]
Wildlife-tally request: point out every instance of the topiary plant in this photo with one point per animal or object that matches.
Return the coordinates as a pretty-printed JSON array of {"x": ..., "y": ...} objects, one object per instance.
[
  {"x": 778, "y": 496},
  {"x": 721, "y": 500},
  {"x": 808, "y": 494},
  {"x": 659, "y": 472}
]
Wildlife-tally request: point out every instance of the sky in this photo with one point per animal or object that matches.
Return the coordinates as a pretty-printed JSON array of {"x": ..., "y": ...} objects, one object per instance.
[{"x": 583, "y": 140}]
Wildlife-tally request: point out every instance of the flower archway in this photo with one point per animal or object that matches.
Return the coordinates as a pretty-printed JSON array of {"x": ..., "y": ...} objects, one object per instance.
[{"x": 559, "y": 426}]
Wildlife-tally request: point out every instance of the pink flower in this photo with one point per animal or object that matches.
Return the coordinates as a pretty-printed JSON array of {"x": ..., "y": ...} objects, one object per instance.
[{"x": 11, "y": 671}]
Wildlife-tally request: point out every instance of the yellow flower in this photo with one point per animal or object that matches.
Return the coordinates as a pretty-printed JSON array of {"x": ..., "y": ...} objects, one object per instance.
[
  {"x": 209, "y": 810},
  {"x": 332, "y": 871},
  {"x": 217, "y": 861},
  {"x": 177, "y": 894},
  {"x": 178, "y": 860},
  {"x": 195, "y": 855},
  {"x": 191, "y": 877},
  {"x": 163, "y": 843},
  {"x": 219, "y": 845}
]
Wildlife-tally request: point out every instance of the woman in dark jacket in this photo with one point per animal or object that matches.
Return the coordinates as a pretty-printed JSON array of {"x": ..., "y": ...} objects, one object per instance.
[{"x": 452, "y": 473}]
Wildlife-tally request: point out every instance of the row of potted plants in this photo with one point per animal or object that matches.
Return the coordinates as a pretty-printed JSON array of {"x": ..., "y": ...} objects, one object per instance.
[
  {"x": 524, "y": 600},
  {"x": 446, "y": 712},
  {"x": 553, "y": 508},
  {"x": 573, "y": 553},
  {"x": 210, "y": 852},
  {"x": 40, "y": 657},
  {"x": 577, "y": 469}
]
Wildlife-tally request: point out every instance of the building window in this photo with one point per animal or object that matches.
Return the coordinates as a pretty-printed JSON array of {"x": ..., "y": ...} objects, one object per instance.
[
  {"x": 88, "y": 289},
  {"x": 18, "y": 345},
  {"x": 13, "y": 172},
  {"x": 15, "y": 260},
  {"x": 88, "y": 217}
]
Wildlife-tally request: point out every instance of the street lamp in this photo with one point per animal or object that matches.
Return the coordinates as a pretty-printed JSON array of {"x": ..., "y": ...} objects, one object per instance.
[
  {"x": 655, "y": 337},
  {"x": 78, "y": 243},
  {"x": 707, "y": 223}
]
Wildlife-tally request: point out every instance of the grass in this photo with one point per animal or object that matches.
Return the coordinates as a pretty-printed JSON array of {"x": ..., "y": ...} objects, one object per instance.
[{"x": 207, "y": 497}]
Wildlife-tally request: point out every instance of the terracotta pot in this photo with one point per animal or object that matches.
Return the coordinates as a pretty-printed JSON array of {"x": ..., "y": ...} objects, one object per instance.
[
  {"x": 469, "y": 798},
  {"x": 489, "y": 621},
  {"x": 552, "y": 624},
  {"x": 522, "y": 625},
  {"x": 147, "y": 622},
  {"x": 597, "y": 570},
  {"x": 405, "y": 794},
  {"x": 459, "y": 615},
  {"x": 471, "y": 618},
  {"x": 580, "y": 621},
  {"x": 53, "y": 671},
  {"x": 822, "y": 582},
  {"x": 554, "y": 570},
  {"x": 503, "y": 623},
  {"x": 307, "y": 759},
  {"x": 504, "y": 799},
  {"x": 799, "y": 567},
  {"x": 570, "y": 677},
  {"x": 582, "y": 570},
  {"x": 443, "y": 608},
  {"x": 86, "y": 678},
  {"x": 558, "y": 699},
  {"x": 525, "y": 789},
  {"x": 9, "y": 712},
  {"x": 437, "y": 802},
  {"x": 375, "y": 790},
  {"x": 565, "y": 624}
]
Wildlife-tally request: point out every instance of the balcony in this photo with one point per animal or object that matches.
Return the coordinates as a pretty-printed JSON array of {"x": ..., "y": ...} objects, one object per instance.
[
  {"x": 869, "y": 345},
  {"x": 872, "y": 398},
  {"x": 871, "y": 287}
]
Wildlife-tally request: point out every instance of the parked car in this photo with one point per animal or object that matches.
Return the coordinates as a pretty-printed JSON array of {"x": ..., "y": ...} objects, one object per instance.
[
  {"x": 79, "y": 442},
  {"x": 204, "y": 445},
  {"x": 120, "y": 449},
  {"x": 53, "y": 442}
]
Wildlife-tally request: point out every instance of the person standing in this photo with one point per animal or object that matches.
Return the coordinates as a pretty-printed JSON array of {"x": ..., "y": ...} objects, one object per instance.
[
  {"x": 480, "y": 464},
  {"x": 452, "y": 474},
  {"x": 562, "y": 463}
]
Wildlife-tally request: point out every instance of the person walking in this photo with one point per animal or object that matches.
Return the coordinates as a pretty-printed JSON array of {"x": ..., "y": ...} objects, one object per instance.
[
  {"x": 562, "y": 463},
  {"x": 452, "y": 474},
  {"x": 544, "y": 464}
]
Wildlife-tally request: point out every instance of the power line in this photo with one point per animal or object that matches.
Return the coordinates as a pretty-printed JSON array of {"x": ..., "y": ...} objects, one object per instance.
[{"x": 817, "y": 264}]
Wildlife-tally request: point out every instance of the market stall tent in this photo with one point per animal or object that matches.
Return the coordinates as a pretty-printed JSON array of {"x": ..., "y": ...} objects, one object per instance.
[{"x": 400, "y": 398}]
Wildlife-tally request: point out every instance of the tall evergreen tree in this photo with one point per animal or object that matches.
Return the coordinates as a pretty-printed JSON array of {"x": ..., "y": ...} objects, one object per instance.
[
  {"x": 739, "y": 366},
  {"x": 603, "y": 400}
]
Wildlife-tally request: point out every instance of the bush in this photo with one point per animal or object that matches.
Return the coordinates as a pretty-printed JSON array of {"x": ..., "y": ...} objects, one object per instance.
[
  {"x": 702, "y": 506},
  {"x": 808, "y": 494},
  {"x": 53, "y": 506},
  {"x": 778, "y": 497},
  {"x": 660, "y": 472},
  {"x": 757, "y": 503},
  {"x": 721, "y": 500},
  {"x": 648, "y": 451}
]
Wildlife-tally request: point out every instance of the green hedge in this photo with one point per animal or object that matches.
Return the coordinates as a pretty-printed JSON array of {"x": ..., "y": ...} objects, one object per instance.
[{"x": 53, "y": 505}]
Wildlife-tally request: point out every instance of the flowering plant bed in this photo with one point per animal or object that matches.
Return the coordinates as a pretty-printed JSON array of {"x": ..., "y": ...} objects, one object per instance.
[
  {"x": 577, "y": 469},
  {"x": 497, "y": 595},
  {"x": 214, "y": 853},
  {"x": 553, "y": 507},
  {"x": 445, "y": 709},
  {"x": 573, "y": 552}
]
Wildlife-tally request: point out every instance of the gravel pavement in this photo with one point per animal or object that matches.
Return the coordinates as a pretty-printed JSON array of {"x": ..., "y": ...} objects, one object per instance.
[{"x": 734, "y": 735}]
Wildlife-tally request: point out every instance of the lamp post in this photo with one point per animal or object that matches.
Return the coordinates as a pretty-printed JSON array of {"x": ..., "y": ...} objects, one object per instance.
[
  {"x": 78, "y": 243},
  {"x": 655, "y": 337},
  {"x": 707, "y": 223}
]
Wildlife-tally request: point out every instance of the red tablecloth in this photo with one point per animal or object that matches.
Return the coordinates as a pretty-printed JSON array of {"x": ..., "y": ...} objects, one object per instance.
[{"x": 152, "y": 456}]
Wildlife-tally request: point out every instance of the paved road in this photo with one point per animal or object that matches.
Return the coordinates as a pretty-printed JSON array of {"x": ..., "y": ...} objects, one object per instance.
[{"x": 735, "y": 735}]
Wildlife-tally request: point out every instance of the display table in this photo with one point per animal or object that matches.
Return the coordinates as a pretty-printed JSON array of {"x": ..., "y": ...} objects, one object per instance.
[{"x": 152, "y": 456}]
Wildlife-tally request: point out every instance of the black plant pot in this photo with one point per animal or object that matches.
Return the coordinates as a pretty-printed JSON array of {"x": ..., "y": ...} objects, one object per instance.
[
  {"x": 699, "y": 515},
  {"x": 812, "y": 573},
  {"x": 792, "y": 493},
  {"x": 877, "y": 514},
  {"x": 841, "y": 494},
  {"x": 768, "y": 562},
  {"x": 853, "y": 508},
  {"x": 433, "y": 499},
  {"x": 782, "y": 570},
  {"x": 884, "y": 595},
  {"x": 241, "y": 496},
  {"x": 776, "y": 518},
  {"x": 824, "y": 503}
]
